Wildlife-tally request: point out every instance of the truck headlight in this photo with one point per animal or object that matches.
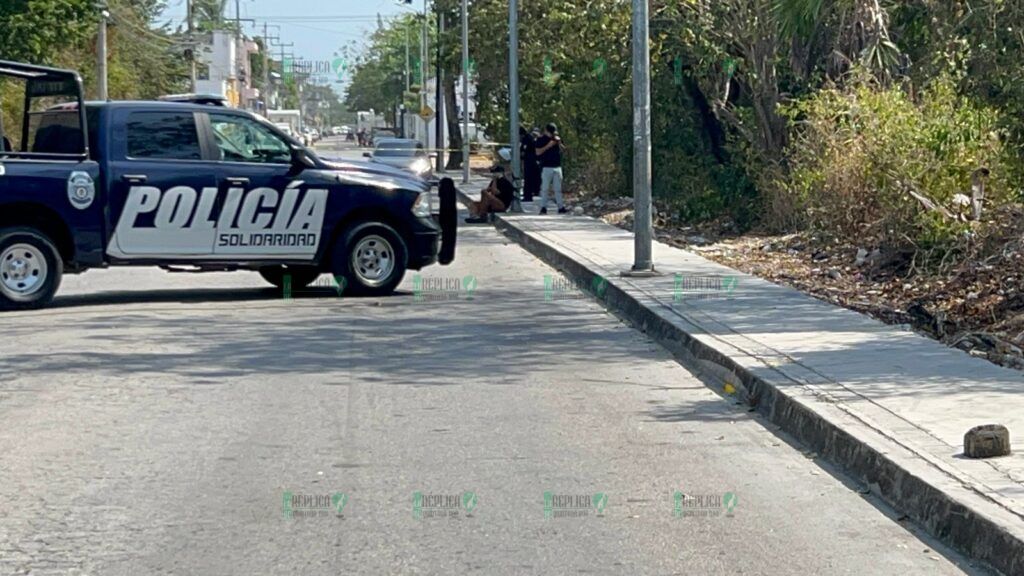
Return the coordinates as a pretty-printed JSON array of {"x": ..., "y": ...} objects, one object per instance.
[{"x": 421, "y": 207}]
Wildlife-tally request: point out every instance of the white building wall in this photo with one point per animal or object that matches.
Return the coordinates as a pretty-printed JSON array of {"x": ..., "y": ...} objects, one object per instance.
[{"x": 218, "y": 54}]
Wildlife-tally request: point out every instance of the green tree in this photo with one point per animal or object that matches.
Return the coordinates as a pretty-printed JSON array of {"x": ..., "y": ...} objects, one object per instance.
[
  {"x": 378, "y": 75},
  {"x": 38, "y": 31}
]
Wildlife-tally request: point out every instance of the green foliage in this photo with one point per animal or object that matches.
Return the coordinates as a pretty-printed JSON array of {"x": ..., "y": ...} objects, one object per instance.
[
  {"x": 981, "y": 40},
  {"x": 857, "y": 154},
  {"x": 209, "y": 15},
  {"x": 378, "y": 78},
  {"x": 144, "y": 61},
  {"x": 38, "y": 30}
]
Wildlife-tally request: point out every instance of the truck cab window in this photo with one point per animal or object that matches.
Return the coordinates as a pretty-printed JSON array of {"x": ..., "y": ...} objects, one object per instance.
[
  {"x": 163, "y": 136},
  {"x": 240, "y": 139}
]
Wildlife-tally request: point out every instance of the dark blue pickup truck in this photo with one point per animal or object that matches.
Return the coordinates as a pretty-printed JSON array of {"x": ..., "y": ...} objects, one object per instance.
[{"x": 195, "y": 187}]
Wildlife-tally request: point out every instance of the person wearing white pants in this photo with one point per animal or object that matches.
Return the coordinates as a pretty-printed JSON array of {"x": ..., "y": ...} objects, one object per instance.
[
  {"x": 551, "y": 178},
  {"x": 549, "y": 156}
]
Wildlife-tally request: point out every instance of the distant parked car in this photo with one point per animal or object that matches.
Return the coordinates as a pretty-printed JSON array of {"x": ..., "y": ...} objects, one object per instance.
[
  {"x": 306, "y": 134},
  {"x": 403, "y": 153},
  {"x": 381, "y": 133},
  {"x": 287, "y": 129}
]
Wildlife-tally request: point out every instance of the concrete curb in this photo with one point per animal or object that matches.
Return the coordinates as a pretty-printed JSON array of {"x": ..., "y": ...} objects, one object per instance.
[{"x": 958, "y": 522}]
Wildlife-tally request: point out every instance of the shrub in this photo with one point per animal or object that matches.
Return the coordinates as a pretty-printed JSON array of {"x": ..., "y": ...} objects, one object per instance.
[{"x": 856, "y": 155}]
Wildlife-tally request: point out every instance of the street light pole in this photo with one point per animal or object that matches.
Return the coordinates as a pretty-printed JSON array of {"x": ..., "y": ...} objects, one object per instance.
[
  {"x": 513, "y": 99},
  {"x": 643, "y": 228},
  {"x": 465, "y": 91}
]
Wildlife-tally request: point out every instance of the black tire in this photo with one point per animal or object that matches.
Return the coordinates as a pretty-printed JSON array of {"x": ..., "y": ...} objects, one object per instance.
[
  {"x": 449, "y": 221},
  {"x": 378, "y": 238},
  {"x": 302, "y": 276},
  {"x": 40, "y": 263}
]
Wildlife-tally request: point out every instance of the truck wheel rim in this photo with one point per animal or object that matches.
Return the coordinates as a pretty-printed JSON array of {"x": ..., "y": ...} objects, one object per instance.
[
  {"x": 373, "y": 260},
  {"x": 23, "y": 271}
]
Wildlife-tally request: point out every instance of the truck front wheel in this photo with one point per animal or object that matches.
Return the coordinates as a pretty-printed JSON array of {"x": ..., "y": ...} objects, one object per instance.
[
  {"x": 371, "y": 257},
  {"x": 30, "y": 269}
]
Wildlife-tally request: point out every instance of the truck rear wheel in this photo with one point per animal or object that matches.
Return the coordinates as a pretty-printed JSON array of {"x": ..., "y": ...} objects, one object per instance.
[
  {"x": 30, "y": 269},
  {"x": 371, "y": 257},
  {"x": 302, "y": 276}
]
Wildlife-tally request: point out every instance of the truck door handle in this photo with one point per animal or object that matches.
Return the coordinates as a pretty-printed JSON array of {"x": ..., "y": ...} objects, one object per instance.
[
  {"x": 237, "y": 180},
  {"x": 134, "y": 178}
]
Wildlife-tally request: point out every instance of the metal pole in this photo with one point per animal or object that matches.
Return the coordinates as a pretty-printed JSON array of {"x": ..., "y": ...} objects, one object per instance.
[
  {"x": 266, "y": 72},
  {"x": 643, "y": 227},
  {"x": 513, "y": 99},
  {"x": 101, "y": 59},
  {"x": 238, "y": 55},
  {"x": 192, "y": 48},
  {"x": 439, "y": 97},
  {"x": 465, "y": 91},
  {"x": 423, "y": 76},
  {"x": 406, "y": 60}
]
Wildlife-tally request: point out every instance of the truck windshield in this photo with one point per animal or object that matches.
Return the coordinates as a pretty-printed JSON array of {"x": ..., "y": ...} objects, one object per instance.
[{"x": 399, "y": 148}]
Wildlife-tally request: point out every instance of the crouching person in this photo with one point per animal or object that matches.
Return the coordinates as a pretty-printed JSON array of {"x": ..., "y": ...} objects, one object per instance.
[{"x": 497, "y": 197}]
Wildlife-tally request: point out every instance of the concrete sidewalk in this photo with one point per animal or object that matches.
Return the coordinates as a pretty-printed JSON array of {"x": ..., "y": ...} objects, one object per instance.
[{"x": 887, "y": 405}]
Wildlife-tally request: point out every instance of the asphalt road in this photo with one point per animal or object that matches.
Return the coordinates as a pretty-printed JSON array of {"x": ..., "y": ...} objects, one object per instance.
[{"x": 155, "y": 423}]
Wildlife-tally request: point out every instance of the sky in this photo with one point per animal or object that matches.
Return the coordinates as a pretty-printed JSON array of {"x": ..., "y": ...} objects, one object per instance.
[{"x": 318, "y": 28}]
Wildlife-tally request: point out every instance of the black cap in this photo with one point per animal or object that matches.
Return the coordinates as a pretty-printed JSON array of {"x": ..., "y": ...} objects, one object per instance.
[{"x": 552, "y": 127}]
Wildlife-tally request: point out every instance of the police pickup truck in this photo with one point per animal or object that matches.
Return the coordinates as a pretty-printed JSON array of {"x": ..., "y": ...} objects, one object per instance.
[{"x": 192, "y": 187}]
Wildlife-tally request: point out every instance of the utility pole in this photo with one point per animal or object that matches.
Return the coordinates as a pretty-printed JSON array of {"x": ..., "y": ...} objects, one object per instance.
[
  {"x": 283, "y": 45},
  {"x": 465, "y": 91},
  {"x": 643, "y": 228},
  {"x": 407, "y": 83},
  {"x": 266, "y": 72},
  {"x": 423, "y": 75},
  {"x": 101, "y": 50},
  {"x": 513, "y": 100},
  {"x": 439, "y": 115},
  {"x": 239, "y": 49},
  {"x": 191, "y": 47},
  {"x": 266, "y": 67}
]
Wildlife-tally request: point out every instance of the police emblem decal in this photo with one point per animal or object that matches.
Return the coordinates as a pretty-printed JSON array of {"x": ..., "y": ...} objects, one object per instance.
[{"x": 81, "y": 190}]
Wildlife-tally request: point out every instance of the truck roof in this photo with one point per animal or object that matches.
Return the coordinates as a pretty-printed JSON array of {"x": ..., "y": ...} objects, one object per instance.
[{"x": 160, "y": 104}]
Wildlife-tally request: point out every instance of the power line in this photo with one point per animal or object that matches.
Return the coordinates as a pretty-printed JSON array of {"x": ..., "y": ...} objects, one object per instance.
[{"x": 326, "y": 31}]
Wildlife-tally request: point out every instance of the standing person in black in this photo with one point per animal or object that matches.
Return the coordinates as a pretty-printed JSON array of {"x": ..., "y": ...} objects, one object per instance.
[
  {"x": 549, "y": 152},
  {"x": 531, "y": 169}
]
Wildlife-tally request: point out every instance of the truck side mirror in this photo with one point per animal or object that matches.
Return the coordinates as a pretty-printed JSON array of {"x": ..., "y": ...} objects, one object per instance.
[{"x": 300, "y": 160}]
